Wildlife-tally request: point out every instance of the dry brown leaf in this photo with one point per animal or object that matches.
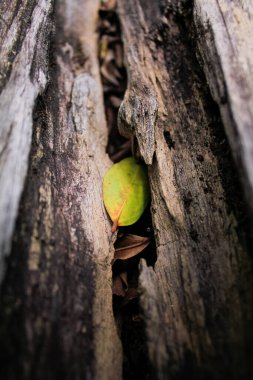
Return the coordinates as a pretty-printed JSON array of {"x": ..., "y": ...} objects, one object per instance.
[
  {"x": 130, "y": 245},
  {"x": 131, "y": 294},
  {"x": 110, "y": 73},
  {"x": 123, "y": 277},
  {"x": 110, "y": 118},
  {"x": 110, "y": 55},
  {"x": 118, "y": 55},
  {"x": 108, "y": 4},
  {"x": 118, "y": 287},
  {"x": 116, "y": 101},
  {"x": 136, "y": 318},
  {"x": 108, "y": 27},
  {"x": 123, "y": 151},
  {"x": 112, "y": 40},
  {"x": 105, "y": 25},
  {"x": 110, "y": 65}
]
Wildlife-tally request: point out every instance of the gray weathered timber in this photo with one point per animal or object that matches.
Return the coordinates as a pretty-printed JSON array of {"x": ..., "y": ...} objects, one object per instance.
[
  {"x": 59, "y": 273},
  {"x": 225, "y": 30},
  {"x": 197, "y": 300},
  {"x": 23, "y": 75}
]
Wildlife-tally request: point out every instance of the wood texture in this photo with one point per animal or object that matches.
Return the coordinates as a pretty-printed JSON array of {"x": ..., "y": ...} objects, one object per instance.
[
  {"x": 225, "y": 31},
  {"x": 59, "y": 276},
  {"x": 23, "y": 75},
  {"x": 197, "y": 301}
]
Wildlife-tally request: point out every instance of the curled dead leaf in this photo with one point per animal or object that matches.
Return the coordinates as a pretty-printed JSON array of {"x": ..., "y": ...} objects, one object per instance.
[
  {"x": 118, "y": 287},
  {"x": 123, "y": 152},
  {"x": 123, "y": 277},
  {"x": 108, "y": 4},
  {"x": 130, "y": 245},
  {"x": 110, "y": 72},
  {"x": 119, "y": 55},
  {"x": 136, "y": 318},
  {"x": 131, "y": 294},
  {"x": 115, "y": 101}
]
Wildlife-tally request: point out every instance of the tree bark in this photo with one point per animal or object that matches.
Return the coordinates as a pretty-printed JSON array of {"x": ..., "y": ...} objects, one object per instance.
[
  {"x": 62, "y": 250},
  {"x": 189, "y": 68},
  {"x": 23, "y": 42},
  {"x": 199, "y": 292}
]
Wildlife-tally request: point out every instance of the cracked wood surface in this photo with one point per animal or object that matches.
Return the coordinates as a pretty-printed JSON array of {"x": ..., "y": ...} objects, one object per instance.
[
  {"x": 24, "y": 31},
  {"x": 197, "y": 301},
  {"x": 59, "y": 272},
  {"x": 225, "y": 30}
]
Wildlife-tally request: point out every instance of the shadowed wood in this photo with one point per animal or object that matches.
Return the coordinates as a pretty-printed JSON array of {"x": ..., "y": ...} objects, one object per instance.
[
  {"x": 59, "y": 276},
  {"x": 197, "y": 301},
  {"x": 225, "y": 31},
  {"x": 23, "y": 75}
]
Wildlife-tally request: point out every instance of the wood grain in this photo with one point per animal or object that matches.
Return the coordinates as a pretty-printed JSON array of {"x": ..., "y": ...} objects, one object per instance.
[
  {"x": 225, "y": 30},
  {"x": 197, "y": 300},
  {"x": 23, "y": 70},
  {"x": 59, "y": 273}
]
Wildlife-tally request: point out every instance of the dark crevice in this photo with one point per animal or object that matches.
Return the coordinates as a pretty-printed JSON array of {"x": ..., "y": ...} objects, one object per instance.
[
  {"x": 127, "y": 312},
  {"x": 114, "y": 77}
]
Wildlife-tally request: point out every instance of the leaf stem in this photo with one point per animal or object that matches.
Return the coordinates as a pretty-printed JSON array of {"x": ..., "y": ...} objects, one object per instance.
[{"x": 115, "y": 225}]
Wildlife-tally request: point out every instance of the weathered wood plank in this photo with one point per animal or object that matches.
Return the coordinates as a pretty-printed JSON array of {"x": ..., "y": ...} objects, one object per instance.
[
  {"x": 197, "y": 301},
  {"x": 59, "y": 273},
  {"x": 24, "y": 44},
  {"x": 224, "y": 34}
]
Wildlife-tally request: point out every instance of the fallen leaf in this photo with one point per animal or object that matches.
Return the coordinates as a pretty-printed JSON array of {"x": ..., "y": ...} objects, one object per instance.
[
  {"x": 118, "y": 287},
  {"x": 129, "y": 246},
  {"x": 109, "y": 72},
  {"x": 123, "y": 151},
  {"x": 131, "y": 294},
  {"x": 116, "y": 101},
  {"x": 123, "y": 277},
  {"x": 110, "y": 55},
  {"x": 119, "y": 55},
  {"x": 113, "y": 39},
  {"x": 125, "y": 192},
  {"x": 108, "y": 4},
  {"x": 110, "y": 118},
  {"x": 136, "y": 318}
]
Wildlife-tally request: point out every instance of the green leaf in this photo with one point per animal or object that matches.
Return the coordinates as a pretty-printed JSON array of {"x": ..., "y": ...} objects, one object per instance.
[{"x": 126, "y": 192}]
